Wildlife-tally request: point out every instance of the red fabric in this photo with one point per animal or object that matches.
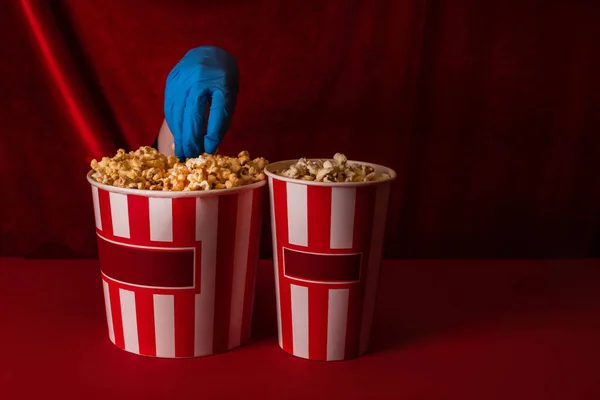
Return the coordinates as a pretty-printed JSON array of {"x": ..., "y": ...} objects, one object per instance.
[
  {"x": 442, "y": 330},
  {"x": 487, "y": 109}
]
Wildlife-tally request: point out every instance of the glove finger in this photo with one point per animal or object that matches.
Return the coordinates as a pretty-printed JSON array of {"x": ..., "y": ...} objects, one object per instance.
[
  {"x": 219, "y": 120},
  {"x": 190, "y": 143}
]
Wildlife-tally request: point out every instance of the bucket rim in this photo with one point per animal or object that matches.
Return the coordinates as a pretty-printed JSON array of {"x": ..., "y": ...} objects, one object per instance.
[
  {"x": 173, "y": 194},
  {"x": 278, "y": 165}
]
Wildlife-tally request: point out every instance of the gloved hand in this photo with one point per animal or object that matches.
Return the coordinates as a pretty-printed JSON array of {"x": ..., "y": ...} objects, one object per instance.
[{"x": 204, "y": 74}]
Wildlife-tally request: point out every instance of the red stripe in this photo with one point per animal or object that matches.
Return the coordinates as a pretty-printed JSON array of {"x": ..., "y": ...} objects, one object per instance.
[
  {"x": 184, "y": 324},
  {"x": 363, "y": 225},
  {"x": 105, "y": 213},
  {"x": 354, "y": 321},
  {"x": 318, "y": 302},
  {"x": 281, "y": 225},
  {"x": 319, "y": 218},
  {"x": 115, "y": 306},
  {"x": 184, "y": 221},
  {"x": 144, "y": 309},
  {"x": 225, "y": 254},
  {"x": 198, "y": 270},
  {"x": 364, "y": 210},
  {"x": 255, "y": 229},
  {"x": 139, "y": 219}
]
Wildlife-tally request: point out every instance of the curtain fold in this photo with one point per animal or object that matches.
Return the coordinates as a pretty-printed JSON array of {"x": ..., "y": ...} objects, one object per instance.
[
  {"x": 65, "y": 75},
  {"x": 487, "y": 110}
]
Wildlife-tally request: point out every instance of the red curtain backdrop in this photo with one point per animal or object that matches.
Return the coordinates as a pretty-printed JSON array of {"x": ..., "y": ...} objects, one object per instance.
[{"x": 488, "y": 110}]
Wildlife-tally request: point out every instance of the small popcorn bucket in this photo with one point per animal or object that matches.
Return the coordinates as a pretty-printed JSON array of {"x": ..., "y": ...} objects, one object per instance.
[
  {"x": 178, "y": 268},
  {"x": 327, "y": 245}
]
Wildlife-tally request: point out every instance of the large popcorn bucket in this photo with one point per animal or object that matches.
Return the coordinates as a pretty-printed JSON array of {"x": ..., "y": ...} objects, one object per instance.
[
  {"x": 178, "y": 268},
  {"x": 327, "y": 245}
]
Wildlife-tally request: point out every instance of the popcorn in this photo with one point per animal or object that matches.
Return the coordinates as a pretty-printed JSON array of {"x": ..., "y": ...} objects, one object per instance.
[
  {"x": 336, "y": 170},
  {"x": 148, "y": 169}
]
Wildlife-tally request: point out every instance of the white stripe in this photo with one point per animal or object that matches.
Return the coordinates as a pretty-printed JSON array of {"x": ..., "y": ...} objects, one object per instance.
[
  {"x": 111, "y": 328},
  {"x": 119, "y": 214},
  {"x": 129, "y": 316},
  {"x": 97, "y": 214},
  {"x": 275, "y": 261},
  {"x": 375, "y": 252},
  {"x": 300, "y": 320},
  {"x": 240, "y": 267},
  {"x": 342, "y": 217},
  {"x": 164, "y": 324},
  {"x": 207, "y": 218},
  {"x": 337, "y": 318},
  {"x": 297, "y": 213},
  {"x": 161, "y": 219},
  {"x": 255, "y": 261}
]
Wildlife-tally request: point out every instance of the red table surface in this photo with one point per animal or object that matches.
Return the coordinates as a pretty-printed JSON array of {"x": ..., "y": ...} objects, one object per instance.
[{"x": 443, "y": 330}]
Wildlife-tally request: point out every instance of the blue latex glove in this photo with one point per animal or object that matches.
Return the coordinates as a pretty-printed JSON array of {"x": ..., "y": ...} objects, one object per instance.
[{"x": 205, "y": 74}]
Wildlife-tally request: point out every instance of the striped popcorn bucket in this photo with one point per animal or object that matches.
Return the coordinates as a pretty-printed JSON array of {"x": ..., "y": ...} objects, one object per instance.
[
  {"x": 327, "y": 245},
  {"x": 178, "y": 268}
]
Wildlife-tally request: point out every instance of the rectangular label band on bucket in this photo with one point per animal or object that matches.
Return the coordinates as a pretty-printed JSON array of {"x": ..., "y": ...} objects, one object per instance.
[
  {"x": 150, "y": 267},
  {"x": 321, "y": 268}
]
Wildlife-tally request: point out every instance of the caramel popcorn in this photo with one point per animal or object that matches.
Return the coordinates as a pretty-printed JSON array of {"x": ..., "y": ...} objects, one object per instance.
[
  {"x": 336, "y": 170},
  {"x": 148, "y": 169}
]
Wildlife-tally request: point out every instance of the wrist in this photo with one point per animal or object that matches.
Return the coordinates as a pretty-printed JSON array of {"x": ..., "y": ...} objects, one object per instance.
[{"x": 166, "y": 141}]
